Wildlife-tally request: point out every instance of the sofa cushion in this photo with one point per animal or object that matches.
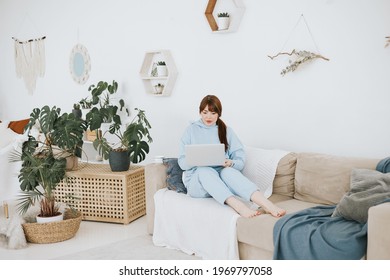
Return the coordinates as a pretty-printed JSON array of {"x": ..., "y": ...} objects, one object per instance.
[
  {"x": 174, "y": 175},
  {"x": 284, "y": 178},
  {"x": 324, "y": 179},
  {"x": 368, "y": 188},
  {"x": 384, "y": 165},
  {"x": 260, "y": 167}
]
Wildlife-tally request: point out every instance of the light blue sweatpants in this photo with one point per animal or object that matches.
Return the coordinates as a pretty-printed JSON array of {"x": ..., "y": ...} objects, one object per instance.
[{"x": 220, "y": 183}]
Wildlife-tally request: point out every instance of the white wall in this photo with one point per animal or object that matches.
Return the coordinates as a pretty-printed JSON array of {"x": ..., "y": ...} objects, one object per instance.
[{"x": 338, "y": 107}]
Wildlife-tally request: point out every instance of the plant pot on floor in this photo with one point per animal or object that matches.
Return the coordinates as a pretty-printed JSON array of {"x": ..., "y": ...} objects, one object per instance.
[
  {"x": 42, "y": 220},
  {"x": 54, "y": 231},
  {"x": 119, "y": 161}
]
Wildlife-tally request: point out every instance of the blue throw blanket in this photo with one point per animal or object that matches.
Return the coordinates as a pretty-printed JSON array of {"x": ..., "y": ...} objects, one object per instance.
[{"x": 312, "y": 234}]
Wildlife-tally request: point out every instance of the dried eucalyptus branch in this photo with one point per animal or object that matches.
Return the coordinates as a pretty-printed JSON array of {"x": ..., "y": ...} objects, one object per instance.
[
  {"x": 301, "y": 57},
  {"x": 387, "y": 41}
]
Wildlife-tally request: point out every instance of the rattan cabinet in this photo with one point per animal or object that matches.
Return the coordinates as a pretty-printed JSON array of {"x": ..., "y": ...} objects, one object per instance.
[{"x": 103, "y": 195}]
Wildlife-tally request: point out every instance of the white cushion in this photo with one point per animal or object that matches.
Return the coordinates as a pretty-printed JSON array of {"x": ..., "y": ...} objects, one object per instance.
[{"x": 260, "y": 167}]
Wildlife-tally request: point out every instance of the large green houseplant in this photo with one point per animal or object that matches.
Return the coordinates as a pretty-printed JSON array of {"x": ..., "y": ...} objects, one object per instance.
[
  {"x": 44, "y": 158},
  {"x": 132, "y": 145}
]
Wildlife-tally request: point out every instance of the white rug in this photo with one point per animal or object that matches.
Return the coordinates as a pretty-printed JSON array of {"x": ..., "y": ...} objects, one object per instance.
[{"x": 138, "y": 248}]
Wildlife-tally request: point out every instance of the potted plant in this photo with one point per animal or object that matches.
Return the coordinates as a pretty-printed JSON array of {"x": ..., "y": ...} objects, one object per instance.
[
  {"x": 162, "y": 69},
  {"x": 159, "y": 88},
  {"x": 76, "y": 110},
  {"x": 44, "y": 161},
  {"x": 132, "y": 146},
  {"x": 223, "y": 21}
]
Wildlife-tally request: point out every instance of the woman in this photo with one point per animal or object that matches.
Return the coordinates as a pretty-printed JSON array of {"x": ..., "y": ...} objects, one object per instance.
[{"x": 224, "y": 183}]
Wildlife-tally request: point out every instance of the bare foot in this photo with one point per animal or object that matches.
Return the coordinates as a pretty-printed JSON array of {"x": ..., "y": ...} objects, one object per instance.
[
  {"x": 275, "y": 211},
  {"x": 267, "y": 205},
  {"x": 241, "y": 208},
  {"x": 248, "y": 213}
]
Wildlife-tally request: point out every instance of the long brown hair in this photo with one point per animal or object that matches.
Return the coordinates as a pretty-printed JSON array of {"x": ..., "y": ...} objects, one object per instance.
[{"x": 215, "y": 105}]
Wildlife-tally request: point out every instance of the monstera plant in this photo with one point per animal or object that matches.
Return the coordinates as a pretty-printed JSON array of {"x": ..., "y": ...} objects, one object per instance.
[
  {"x": 133, "y": 137},
  {"x": 44, "y": 157},
  {"x": 132, "y": 143}
]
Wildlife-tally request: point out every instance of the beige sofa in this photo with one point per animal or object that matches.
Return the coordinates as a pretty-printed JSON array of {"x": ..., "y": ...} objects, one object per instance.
[{"x": 302, "y": 180}]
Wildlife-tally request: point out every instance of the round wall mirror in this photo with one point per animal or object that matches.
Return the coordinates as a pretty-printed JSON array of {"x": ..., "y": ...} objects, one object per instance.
[{"x": 80, "y": 64}]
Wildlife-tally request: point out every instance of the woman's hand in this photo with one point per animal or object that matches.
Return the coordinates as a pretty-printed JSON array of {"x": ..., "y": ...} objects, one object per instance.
[{"x": 228, "y": 163}]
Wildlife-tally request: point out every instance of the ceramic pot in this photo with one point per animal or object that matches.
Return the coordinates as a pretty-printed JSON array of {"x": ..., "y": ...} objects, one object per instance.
[
  {"x": 42, "y": 220},
  {"x": 72, "y": 163},
  {"x": 119, "y": 161},
  {"x": 159, "y": 89},
  {"x": 162, "y": 70},
  {"x": 223, "y": 23},
  {"x": 84, "y": 112},
  {"x": 77, "y": 113}
]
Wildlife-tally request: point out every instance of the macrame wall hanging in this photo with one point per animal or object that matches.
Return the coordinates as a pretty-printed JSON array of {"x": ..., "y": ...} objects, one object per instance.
[
  {"x": 298, "y": 56},
  {"x": 30, "y": 61}
]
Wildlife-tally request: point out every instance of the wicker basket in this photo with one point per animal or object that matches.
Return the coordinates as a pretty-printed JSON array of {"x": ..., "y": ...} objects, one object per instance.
[{"x": 54, "y": 231}]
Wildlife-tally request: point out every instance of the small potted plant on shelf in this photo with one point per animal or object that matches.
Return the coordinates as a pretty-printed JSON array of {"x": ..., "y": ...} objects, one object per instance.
[
  {"x": 162, "y": 69},
  {"x": 159, "y": 88},
  {"x": 44, "y": 161},
  {"x": 223, "y": 21},
  {"x": 132, "y": 146},
  {"x": 76, "y": 110}
]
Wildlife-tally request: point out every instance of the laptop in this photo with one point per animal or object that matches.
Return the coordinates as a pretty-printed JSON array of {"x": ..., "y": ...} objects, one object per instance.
[{"x": 205, "y": 154}]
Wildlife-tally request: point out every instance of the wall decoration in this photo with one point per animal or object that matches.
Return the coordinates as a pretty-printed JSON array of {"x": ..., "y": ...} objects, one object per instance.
[
  {"x": 155, "y": 82},
  {"x": 30, "y": 61},
  {"x": 80, "y": 64},
  {"x": 233, "y": 17},
  {"x": 387, "y": 41},
  {"x": 300, "y": 56}
]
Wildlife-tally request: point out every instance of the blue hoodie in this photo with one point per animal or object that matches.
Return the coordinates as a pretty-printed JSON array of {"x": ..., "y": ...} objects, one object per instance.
[{"x": 199, "y": 133}]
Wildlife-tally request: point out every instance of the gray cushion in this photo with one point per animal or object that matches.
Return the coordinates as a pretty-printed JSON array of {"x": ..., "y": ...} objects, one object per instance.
[
  {"x": 174, "y": 175},
  {"x": 384, "y": 165},
  {"x": 368, "y": 188}
]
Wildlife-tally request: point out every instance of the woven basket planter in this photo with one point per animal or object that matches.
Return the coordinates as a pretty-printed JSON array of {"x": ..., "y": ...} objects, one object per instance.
[{"x": 54, "y": 231}]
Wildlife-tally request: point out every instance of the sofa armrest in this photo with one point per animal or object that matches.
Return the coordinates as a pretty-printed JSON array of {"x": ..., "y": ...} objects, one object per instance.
[
  {"x": 378, "y": 237},
  {"x": 155, "y": 179}
]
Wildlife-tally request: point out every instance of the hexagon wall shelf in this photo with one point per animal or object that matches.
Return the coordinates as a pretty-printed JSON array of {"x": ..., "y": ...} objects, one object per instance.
[
  {"x": 235, "y": 16},
  {"x": 150, "y": 78}
]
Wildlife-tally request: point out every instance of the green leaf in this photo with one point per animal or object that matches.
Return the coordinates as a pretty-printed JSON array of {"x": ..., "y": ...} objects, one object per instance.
[
  {"x": 68, "y": 132},
  {"x": 138, "y": 151},
  {"x": 102, "y": 147}
]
